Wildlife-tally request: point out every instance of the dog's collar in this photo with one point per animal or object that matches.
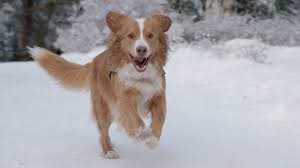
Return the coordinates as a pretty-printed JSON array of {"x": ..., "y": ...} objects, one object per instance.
[{"x": 112, "y": 69}]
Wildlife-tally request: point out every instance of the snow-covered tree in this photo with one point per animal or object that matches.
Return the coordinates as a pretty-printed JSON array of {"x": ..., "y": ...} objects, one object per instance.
[
  {"x": 193, "y": 8},
  {"x": 7, "y": 34},
  {"x": 288, "y": 8},
  {"x": 30, "y": 22}
]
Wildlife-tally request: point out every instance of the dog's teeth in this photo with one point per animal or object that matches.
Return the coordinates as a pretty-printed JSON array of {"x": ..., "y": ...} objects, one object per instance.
[{"x": 140, "y": 68}]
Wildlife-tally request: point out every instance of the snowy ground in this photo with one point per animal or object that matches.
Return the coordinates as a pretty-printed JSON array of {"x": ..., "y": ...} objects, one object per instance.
[{"x": 234, "y": 105}]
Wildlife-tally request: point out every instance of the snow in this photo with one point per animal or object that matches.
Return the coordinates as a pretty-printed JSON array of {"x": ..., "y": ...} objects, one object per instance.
[{"x": 225, "y": 109}]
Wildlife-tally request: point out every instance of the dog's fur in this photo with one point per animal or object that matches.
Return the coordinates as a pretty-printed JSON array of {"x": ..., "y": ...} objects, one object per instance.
[{"x": 120, "y": 90}]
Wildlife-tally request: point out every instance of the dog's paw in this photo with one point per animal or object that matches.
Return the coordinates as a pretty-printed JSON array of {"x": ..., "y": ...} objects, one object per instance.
[
  {"x": 143, "y": 134},
  {"x": 112, "y": 155},
  {"x": 152, "y": 142}
]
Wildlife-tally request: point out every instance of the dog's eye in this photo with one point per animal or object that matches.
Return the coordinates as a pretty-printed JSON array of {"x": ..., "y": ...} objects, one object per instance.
[
  {"x": 130, "y": 36},
  {"x": 150, "y": 36}
]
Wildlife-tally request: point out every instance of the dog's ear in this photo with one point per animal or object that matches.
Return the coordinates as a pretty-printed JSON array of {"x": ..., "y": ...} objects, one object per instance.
[
  {"x": 114, "y": 21},
  {"x": 164, "y": 22}
]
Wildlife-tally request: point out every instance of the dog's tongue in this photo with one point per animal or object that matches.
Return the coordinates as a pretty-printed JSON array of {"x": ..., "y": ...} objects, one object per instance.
[{"x": 140, "y": 59}]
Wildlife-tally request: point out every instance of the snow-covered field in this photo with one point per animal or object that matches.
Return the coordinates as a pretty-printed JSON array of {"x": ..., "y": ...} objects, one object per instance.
[{"x": 233, "y": 105}]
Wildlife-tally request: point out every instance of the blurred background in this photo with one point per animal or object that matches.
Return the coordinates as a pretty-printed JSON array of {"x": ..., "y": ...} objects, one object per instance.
[{"x": 79, "y": 25}]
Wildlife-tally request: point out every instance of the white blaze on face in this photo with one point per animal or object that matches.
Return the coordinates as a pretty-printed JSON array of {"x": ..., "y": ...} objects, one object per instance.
[{"x": 140, "y": 41}]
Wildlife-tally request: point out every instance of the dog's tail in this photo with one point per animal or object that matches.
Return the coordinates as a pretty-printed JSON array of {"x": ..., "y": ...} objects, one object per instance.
[{"x": 69, "y": 75}]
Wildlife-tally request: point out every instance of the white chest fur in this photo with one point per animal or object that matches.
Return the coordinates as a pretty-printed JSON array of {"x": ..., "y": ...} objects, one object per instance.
[{"x": 148, "y": 83}]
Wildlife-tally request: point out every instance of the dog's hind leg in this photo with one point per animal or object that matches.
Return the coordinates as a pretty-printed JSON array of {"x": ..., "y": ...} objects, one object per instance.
[{"x": 104, "y": 119}]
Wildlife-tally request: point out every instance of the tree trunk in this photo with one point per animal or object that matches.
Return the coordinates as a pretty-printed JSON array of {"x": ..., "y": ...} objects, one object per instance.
[
  {"x": 26, "y": 32},
  {"x": 217, "y": 8}
]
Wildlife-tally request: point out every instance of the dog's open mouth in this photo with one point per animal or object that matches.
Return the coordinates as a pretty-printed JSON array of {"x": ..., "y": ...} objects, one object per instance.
[{"x": 140, "y": 63}]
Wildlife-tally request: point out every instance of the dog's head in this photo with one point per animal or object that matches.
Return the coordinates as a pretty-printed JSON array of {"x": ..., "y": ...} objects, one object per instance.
[{"x": 142, "y": 40}]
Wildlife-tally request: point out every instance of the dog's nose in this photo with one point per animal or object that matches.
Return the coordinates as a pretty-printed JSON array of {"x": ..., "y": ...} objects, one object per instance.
[{"x": 141, "y": 50}]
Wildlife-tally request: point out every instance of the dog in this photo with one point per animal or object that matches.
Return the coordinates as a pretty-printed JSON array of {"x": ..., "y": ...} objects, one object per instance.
[{"x": 126, "y": 81}]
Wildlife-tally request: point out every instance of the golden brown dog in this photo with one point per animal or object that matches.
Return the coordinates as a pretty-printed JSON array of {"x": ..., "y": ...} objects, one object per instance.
[{"x": 126, "y": 81}]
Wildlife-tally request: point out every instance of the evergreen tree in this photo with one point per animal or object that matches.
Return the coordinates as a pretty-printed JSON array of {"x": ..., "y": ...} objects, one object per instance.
[
  {"x": 287, "y": 7},
  {"x": 189, "y": 7},
  {"x": 254, "y": 8},
  {"x": 32, "y": 22},
  {"x": 8, "y": 27}
]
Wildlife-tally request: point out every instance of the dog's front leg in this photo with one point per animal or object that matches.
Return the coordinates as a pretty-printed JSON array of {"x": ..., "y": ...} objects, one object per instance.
[
  {"x": 158, "y": 114},
  {"x": 128, "y": 115}
]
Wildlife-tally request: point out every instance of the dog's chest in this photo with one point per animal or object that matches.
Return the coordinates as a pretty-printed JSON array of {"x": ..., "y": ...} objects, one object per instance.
[{"x": 148, "y": 83}]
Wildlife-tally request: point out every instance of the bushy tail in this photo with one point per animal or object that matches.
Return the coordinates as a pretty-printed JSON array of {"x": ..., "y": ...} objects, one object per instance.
[{"x": 69, "y": 75}]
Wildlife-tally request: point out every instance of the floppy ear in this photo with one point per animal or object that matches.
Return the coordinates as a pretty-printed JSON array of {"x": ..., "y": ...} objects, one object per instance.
[
  {"x": 164, "y": 22},
  {"x": 114, "y": 21}
]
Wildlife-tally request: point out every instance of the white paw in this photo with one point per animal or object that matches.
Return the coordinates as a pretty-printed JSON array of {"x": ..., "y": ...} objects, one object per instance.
[
  {"x": 112, "y": 155},
  {"x": 152, "y": 142},
  {"x": 143, "y": 134}
]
